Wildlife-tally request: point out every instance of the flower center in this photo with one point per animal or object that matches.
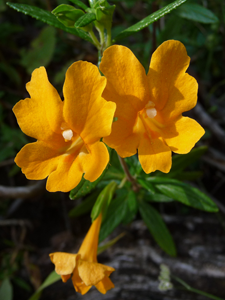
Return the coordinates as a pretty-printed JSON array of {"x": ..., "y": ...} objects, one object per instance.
[
  {"x": 150, "y": 110},
  {"x": 67, "y": 133}
]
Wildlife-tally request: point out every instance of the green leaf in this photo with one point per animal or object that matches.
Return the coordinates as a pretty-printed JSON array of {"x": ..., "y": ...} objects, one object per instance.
[
  {"x": 85, "y": 206},
  {"x": 153, "y": 194},
  {"x": 157, "y": 227},
  {"x": 157, "y": 198},
  {"x": 85, "y": 20},
  {"x": 41, "y": 52},
  {"x": 48, "y": 18},
  {"x": 197, "y": 13},
  {"x": 52, "y": 278},
  {"x": 103, "y": 200},
  {"x": 115, "y": 215},
  {"x": 84, "y": 187},
  {"x": 180, "y": 162},
  {"x": 79, "y": 3},
  {"x": 183, "y": 193},
  {"x": 6, "y": 290},
  {"x": 148, "y": 20},
  {"x": 67, "y": 14},
  {"x": 131, "y": 207}
]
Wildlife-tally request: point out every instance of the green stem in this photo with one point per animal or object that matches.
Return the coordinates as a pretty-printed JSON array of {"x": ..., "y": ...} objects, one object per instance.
[
  {"x": 130, "y": 178},
  {"x": 95, "y": 40},
  {"x": 189, "y": 288},
  {"x": 109, "y": 38}
]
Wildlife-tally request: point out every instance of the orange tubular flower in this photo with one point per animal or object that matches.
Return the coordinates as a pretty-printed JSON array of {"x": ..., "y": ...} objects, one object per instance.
[
  {"x": 68, "y": 132},
  {"x": 149, "y": 107},
  {"x": 83, "y": 266}
]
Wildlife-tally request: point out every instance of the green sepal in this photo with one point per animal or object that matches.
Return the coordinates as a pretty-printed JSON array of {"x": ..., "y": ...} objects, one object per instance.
[
  {"x": 148, "y": 20},
  {"x": 183, "y": 193},
  {"x": 49, "y": 18},
  {"x": 79, "y": 3},
  {"x": 85, "y": 20},
  {"x": 157, "y": 227},
  {"x": 67, "y": 14},
  {"x": 104, "y": 15},
  {"x": 103, "y": 201}
]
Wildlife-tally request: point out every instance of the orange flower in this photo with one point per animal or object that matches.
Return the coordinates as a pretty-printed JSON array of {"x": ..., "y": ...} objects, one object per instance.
[
  {"x": 68, "y": 132},
  {"x": 149, "y": 107},
  {"x": 83, "y": 266}
]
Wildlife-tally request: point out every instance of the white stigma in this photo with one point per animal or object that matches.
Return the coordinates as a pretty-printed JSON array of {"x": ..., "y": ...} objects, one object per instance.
[
  {"x": 151, "y": 112},
  {"x": 67, "y": 134}
]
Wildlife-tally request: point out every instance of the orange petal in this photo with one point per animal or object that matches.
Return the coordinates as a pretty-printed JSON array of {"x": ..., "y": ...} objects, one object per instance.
[
  {"x": 65, "y": 263},
  {"x": 37, "y": 160},
  {"x": 104, "y": 285},
  {"x": 154, "y": 155},
  {"x": 85, "y": 110},
  {"x": 94, "y": 162},
  {"x": 78, "y": 284},
  {"x": 123, "y": 138},
  {"x": 89, "y": 247},
  {"x": 67, "y": 175},
  {"x": 91, "y": 273},
  {"x": 182, "y": 135},
  {"x": 173, "y": 91},
  {"x": 41, "y": 115},
  {"x": 126, "y": 77},
  {"x": 65, "y": 277}
]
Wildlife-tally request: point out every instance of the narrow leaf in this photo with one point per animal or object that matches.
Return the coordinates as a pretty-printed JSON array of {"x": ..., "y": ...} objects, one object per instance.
[
  {"x": 183, "y": 193},
  {"x": 180, "y": 162},
  {"x": 79, "y": 3},
  {"x": 197, "y": 13},
  {"x": 149, "y": 20},
  {"x": 85, "y": 206},
  {"x": 52, "y": 278},
  {"x": 103, "y": 201},
  {"x": 85, "y": 20},
  {"x": 6, "y": 290},
  {"x": 48, "y": 18},
  {"x": 158, "y": 228},
  {"x": 131, "y": 207},
  {"x": 115, "y": 214}
]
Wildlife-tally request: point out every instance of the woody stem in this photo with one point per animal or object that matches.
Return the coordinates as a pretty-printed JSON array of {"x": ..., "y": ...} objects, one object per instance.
[{"x": 127, "y": 172}]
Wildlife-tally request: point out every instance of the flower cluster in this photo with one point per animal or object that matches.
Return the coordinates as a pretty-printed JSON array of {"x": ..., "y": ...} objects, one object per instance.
[{"x": 148, "y": 110}]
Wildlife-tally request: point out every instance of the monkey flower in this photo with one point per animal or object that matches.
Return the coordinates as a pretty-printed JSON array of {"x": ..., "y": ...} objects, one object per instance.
[
  {"x": 83, "y": 266},
  {"x": 149, "y": 107},
  {"x": 68, "y": 132}
]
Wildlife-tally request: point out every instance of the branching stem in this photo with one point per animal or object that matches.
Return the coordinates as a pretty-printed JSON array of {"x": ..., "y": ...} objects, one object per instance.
[{"x": 129, "y": 177}]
